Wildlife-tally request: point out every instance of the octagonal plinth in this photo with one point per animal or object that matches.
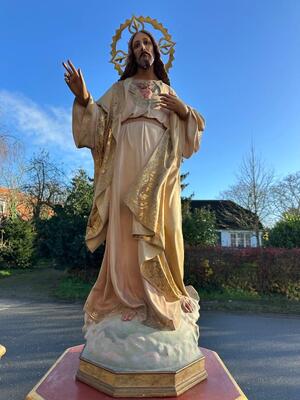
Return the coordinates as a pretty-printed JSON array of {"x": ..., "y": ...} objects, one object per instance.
[{"x": 141, "y": 384}]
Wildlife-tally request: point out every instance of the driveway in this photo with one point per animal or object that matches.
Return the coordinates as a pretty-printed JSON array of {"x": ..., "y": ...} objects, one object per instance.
[{"x": 261, "y": 351}]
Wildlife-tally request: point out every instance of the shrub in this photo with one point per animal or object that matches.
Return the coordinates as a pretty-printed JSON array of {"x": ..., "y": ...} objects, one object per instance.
[
  {"x": 286, "y": 233},
  {"x": 199, "y": 227},
  {"x": 17, "y": 250},
  {"x": 62, "y": 237}
]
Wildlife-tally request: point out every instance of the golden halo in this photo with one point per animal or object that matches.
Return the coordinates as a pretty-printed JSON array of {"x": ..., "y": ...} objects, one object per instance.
[{"x": 135, "y": 24}]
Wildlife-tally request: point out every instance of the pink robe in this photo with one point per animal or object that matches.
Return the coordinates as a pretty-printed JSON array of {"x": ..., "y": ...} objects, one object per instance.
[{"x": 120, "y": 284}]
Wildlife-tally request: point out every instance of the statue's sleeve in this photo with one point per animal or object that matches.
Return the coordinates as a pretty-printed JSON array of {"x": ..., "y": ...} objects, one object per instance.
[
  {"x": 88, "y": 122},
  {"x": 191, "y": 131}
]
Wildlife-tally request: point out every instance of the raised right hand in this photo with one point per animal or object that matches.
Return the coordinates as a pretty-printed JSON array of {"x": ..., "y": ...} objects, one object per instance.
[{"x": 74, "y": 79}]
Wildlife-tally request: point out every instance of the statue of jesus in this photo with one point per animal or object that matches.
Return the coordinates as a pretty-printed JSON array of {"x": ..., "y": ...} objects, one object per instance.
[{"x": 138, "y": 132}]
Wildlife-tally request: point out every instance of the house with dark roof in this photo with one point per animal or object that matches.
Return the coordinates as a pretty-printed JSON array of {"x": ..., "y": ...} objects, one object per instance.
[{"x": 236, "y": 226}]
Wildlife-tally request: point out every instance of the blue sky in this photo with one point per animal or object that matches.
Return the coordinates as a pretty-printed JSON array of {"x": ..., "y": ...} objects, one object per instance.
[{"x": 236, "y": 61}]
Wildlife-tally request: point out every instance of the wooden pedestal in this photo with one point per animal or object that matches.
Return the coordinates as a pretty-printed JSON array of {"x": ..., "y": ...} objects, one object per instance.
[{"x": 60, "y": 382}]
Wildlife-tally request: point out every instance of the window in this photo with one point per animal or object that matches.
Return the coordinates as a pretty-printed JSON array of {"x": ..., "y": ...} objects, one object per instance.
[
  {"x": 248, "y": 239},
  {"x": 219, "y": 238},
  {"x": 240, "y": 239},
  {"x": 233, "y": 239},
  {"x": 2, "y": 206}
]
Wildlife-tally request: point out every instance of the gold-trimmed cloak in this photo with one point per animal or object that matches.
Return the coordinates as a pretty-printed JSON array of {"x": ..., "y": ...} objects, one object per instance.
[{"x": 153, "y": 199}]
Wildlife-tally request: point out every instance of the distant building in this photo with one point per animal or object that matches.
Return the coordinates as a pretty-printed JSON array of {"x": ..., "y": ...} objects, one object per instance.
[
  {"x": 10, "y": 196},
  {"x": 235, "y": 225},
  {"x": 22, "y": 203}
]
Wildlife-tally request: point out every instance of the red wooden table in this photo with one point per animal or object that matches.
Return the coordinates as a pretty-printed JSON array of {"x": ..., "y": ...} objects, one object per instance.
[{"x": 59, "y": 383}]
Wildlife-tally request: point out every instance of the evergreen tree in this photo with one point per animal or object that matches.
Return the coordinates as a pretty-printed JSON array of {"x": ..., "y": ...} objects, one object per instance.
[
  {"x": 199, "y": 228},
  {"x": 62, "y": 237},
  {"x": 286, "y": 233},
  {"x": 17, "y": 249}
]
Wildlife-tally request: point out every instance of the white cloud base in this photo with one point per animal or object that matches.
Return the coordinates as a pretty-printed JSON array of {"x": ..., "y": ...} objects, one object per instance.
[{"x": 132, "y": 346}]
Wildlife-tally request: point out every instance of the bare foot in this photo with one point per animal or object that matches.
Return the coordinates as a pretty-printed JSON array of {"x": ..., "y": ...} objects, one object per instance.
[
  {"x": 128, "y": 314},
  {"x": 186, "y": 304}
]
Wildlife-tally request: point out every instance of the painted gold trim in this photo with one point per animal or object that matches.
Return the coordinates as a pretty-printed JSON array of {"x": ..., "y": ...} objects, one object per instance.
[
  {"x": 33, "y": 395},
  {"x": 119, "y": 372},
  {"x": 2, "y": 350},
  {"x": 242, "y": 395},
  {"x": 140, "y": 384}
]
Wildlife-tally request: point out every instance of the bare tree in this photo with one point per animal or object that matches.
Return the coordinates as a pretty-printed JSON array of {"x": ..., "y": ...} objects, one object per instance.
[
  {"x": 5, "y": 145},
  {"x": 252, "y": 191},
  {"x": 12, "y": 168},
  {"x": 3, "y": 148},
  {"x": 11, "y": 161},
  {"x": 286, "y": 195},
  {"x": 45, "y": 184}
]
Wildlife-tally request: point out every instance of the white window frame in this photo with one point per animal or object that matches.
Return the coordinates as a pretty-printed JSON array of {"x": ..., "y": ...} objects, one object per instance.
[
  {"x": 2, "y": 206},
  {"x": 240, "y": 239}
]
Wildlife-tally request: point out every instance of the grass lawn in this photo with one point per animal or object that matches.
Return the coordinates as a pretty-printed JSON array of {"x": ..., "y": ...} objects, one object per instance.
[
  {"x": 37, "y": 283},
  {"x": 45, "y": 282},
  {"x": 73, "y": 288},
  {"x": 238, "y": 300},
  {"x": 5, "y": 272}
]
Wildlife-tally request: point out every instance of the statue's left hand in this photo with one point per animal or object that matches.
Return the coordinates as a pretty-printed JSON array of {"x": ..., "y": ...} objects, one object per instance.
[{"x": 173, "y": 103}]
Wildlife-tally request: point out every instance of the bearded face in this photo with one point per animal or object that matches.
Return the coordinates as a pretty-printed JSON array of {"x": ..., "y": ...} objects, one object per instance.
[{"x": 143, "y": 50}]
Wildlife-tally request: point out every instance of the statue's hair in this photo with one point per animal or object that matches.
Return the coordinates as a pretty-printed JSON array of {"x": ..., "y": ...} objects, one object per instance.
[{"x": 131, "y": 64}]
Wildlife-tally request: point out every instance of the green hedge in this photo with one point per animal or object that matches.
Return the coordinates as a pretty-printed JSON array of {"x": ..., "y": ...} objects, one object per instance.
[{"x": 262, "y": 270}]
